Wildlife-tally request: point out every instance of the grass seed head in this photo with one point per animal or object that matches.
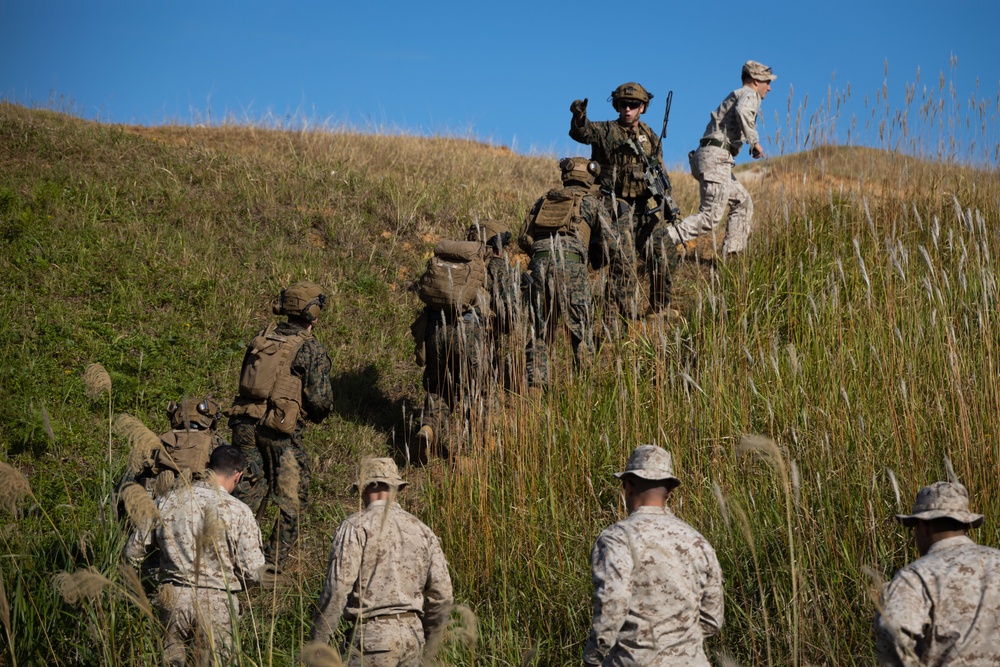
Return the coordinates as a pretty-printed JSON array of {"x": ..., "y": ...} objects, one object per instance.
[
  {"x": 139, "y": 506},
  {"x": 142, "y": 441},
  {"x": 80, "y": 585},
  {"x": 315, "y": 654},
  {"x": 133, "y": 588},
  {"x": 13, "y": 487},
  {"x": 97, "y": 381}
]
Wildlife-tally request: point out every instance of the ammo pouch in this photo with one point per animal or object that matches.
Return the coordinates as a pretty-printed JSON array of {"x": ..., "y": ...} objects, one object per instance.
[
  {"x": 419, "y": 331},
  {"x": 283, "y": 408}
]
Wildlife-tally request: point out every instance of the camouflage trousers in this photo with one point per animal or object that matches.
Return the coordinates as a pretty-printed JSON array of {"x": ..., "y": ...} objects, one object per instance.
[
  {"x": 453, "y": 374},
  {"x": 558, "y": 285},
  {"x": 387, "y": 643},
  {"x": 635, "y": 234},
  {"x": 263, "y": 449},
  {"x": 202, "y": 617},
  {"x": 713, "y": 168}
]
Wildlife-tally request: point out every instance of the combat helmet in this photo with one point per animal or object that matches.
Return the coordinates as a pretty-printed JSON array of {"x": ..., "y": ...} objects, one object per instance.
[
  {"x": 489, "y": 232},
  {"x": 579, "y": 170},
  {"x": 630, "y": 91},
  {"x": 203, "y": 413},
  {"x": 302, "y": 300}
]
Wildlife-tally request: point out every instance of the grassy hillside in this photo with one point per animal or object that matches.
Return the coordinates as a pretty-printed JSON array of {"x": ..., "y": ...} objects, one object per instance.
[{"x": 858, "y": 334}]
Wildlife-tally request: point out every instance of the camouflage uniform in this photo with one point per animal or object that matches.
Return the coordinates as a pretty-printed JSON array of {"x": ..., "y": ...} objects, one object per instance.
[
  {"x": 389, "y": 577},
  {"x": 149, "y": 476},
  {"x": 657, "y": 587},
  {"x": 263, "y": 447},
  {"x": 731, "y": 125},
  {"x": 627, "y": 201},
  {"x": 463, "y": 350},
  {"x": 943, "y": 608},
  {"x": 208, "y": 542},
  {"x": 560, "y": 282}
]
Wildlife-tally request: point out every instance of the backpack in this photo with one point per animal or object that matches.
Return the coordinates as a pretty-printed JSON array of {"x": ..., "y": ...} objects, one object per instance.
[
  {"x": 268, "y": 390},
  {"x": 560, "y": 213},
  {"x": 182, "y": 450},
  {"x": 455, "y": 273}
]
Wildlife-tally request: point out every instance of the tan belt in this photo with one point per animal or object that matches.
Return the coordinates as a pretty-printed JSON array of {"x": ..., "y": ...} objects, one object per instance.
[{"x": 393, "y": 617}]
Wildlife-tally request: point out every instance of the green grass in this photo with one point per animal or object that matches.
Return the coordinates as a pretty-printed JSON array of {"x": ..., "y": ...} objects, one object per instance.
[{"x": 858, "y": 333}]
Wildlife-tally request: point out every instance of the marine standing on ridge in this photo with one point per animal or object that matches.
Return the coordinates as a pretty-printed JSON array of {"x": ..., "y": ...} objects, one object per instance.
[
  {"x": 731, "y": 125},
  {"x": 284, "y": 382},
  {"x": 387, "y": 575},
  {"x": 558, "y": 233},
  {"x": 657, "y": 581},
  {"x": 209, "y": 543},
  {"x": 943, "y": 608},
  {"x": 627, "y": 199}
]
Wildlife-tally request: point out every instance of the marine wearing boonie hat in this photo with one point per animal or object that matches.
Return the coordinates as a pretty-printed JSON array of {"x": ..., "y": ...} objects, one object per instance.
[
  {"x": 942, "y": 500},
  {"x": 378, "y": 471},
  {"x": 651, "y": 462}
]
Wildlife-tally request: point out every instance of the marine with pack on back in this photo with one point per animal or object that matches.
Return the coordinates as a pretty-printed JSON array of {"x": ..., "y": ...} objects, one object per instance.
[
  {"x": 559, "y": 233},
  {"x": 451, "y": 333},
  {"x": 638, "y": 221},
  {"x": 284, "y": 382},
  {"x": 184, "y": 449}
]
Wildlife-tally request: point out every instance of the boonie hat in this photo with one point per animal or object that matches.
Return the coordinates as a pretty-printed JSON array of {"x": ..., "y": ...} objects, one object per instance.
[
  {"x": 650, "y": 462},
  {"x": 374, "y": 471},
  {"x": 758, "y": 71},
  {"x": 939, "y": 500}
]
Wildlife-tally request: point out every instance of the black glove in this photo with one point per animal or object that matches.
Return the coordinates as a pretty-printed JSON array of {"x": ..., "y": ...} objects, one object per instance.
[{"x": 579, "y": 108}]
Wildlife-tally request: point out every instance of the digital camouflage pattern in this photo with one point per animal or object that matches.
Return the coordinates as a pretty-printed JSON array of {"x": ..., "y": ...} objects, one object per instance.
[
  {"x": 208, "y": 543},
  {"x": 461, "y": 351},
  {"x": 657, "y": 593},
  {"x": 201, "y": 617},
  {"x": 560, "y": 284},
  {"x": 621, "y": 168},
  {"x": 943, "y": 608},
  {"x": 263, "y": 447},
  {"x": 159, "y": 464},
  {"x": 733, "y": 123},
  {"x": 388, "y": 576}
]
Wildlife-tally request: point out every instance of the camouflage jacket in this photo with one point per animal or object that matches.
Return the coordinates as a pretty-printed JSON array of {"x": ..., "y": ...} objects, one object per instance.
[
  {"x": 657, "y": 592},
  {"x": 384, "y": 561},
  {"x": 502, "y": 287},
  {"x": 621, "y": 168},
  {"x": 943, "y": 608},
  {"x": 207, "y": 538},
  {"x": 735, "y": 121}
]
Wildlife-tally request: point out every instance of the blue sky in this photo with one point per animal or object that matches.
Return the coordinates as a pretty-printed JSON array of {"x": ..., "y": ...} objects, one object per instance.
[{"x": 499, "y": 72}]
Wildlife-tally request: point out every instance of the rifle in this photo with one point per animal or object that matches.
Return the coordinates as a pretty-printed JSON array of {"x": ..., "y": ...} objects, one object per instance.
[{"x": 654, "y": 175}]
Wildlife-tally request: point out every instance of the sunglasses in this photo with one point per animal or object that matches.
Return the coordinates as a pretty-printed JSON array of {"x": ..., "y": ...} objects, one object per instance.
[{"x": 630, "y": 104}]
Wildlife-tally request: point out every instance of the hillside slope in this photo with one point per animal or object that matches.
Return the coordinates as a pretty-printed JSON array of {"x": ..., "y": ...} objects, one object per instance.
[{"x": 858, "y": 333}]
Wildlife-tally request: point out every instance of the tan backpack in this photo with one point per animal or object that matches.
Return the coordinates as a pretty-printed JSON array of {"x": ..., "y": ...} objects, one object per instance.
[
  {"x": 268, "y": 390},
  {"x": 182, "y": 450},
  {"x": 454, "y": 275},
  {"x": 560, "y": 212}
]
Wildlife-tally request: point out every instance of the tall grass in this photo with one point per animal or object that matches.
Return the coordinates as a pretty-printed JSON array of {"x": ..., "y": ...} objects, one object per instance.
[{"x": 851, "y": 350}]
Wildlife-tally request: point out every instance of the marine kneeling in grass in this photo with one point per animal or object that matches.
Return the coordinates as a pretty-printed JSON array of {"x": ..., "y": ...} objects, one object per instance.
[
  {"x": 944, "y": 607},
  {"x": 387, "y": 576},
  {"x": 209, "y": 543}
]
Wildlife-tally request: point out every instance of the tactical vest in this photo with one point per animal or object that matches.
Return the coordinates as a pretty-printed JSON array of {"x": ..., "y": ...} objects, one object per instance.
[
  {"x": 622, "y": 170},
  {"x": 454, "y": 276},
  {"x": 269, "y": 392},
  {"x": 182, "y": 450},
  {"x": 560, "y": 212}
]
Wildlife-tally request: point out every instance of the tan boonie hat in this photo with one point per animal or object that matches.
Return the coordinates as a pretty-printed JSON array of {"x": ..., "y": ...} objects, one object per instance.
[
  {"x": 939, "y": 500},
  {"x": 650, "y": 462},
  {"x": 374, "y": 471},
  {"x": 758, "y": 71}
]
